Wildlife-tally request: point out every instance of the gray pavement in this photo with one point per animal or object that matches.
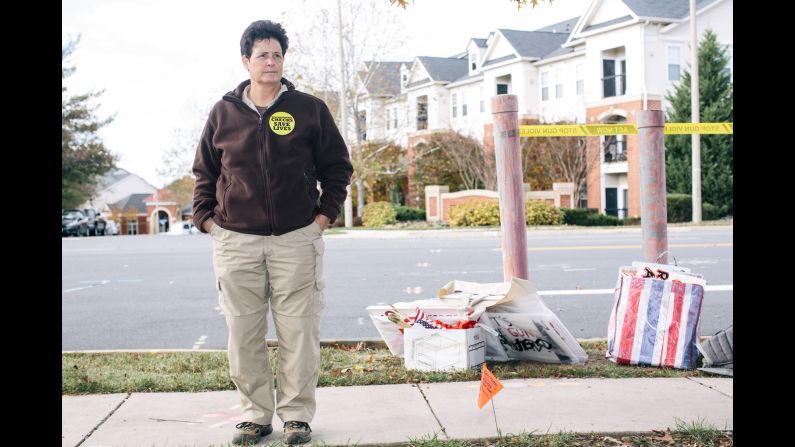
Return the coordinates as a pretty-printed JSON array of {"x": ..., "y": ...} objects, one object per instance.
[{"x": 394, "y": 414}]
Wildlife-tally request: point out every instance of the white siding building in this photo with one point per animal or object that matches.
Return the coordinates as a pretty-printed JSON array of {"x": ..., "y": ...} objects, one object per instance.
[{"x": 603, "y": 66}]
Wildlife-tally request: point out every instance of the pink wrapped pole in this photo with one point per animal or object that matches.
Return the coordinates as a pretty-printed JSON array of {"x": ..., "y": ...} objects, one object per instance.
[
  {"x": 505, "y": 109},
  {"x": 653, "y": 198}
]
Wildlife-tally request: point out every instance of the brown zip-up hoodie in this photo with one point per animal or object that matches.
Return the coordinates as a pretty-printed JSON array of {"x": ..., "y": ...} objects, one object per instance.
[{"x": 257, "y": 174}]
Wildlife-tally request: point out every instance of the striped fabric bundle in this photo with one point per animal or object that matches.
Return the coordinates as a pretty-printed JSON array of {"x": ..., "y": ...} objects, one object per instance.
[
  {"x": 655, "y": 322},
  {"x": 423, "y": 320}
]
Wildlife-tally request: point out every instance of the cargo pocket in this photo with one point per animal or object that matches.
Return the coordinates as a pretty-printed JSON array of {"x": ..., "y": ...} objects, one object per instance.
[
  {"x": 320, "y": 282},
  {"x": 319, "y": 244},
  {"x": 221, "y": 303}
]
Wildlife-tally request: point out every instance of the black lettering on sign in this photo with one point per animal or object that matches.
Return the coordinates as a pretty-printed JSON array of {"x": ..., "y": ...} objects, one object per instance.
[{"x": 529, "y": 345}]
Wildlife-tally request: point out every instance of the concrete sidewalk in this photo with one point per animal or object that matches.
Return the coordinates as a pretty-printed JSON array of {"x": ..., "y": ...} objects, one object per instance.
[{"x": 392, "y": 414}]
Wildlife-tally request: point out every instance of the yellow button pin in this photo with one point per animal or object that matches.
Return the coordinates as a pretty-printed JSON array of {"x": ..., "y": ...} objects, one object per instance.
[{"x": 281, "y": 123}]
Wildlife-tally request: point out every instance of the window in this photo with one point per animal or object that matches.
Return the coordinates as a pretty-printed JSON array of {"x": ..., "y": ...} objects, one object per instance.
[
  {"x": 422, "y": 112},
  {"x": 674, "y": 62},
  {"x": 613, "y": 82},
  {"x": 558, "y": 83},
  {"x": 544, "y": 86},
  {"x": 615, "y": 148},
  {"x": 132, "y": 226},
  {"x": 405, "y": 79},
  {"x": 502, "y": 89},
  {"x": 580, "y": 80},
  {"x": 473, "y": 61},
  {"x": 622, "y": 78},
  {"x": 388, "y": 118},
  {"x": 455, "y": 105},
  {"x": 482, "y": 101},
  {"x": 394, "y": 117},
  {"x": 463, "y": 104}
]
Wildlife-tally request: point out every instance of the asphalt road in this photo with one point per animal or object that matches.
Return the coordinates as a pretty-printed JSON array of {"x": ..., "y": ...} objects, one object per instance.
[{"x": 157, "y": 292}]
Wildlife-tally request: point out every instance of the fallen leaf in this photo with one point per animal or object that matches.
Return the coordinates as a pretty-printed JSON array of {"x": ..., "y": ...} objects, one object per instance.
[
  {"x": 335, "y": 372},
  {"x": 369, "y": 358}
]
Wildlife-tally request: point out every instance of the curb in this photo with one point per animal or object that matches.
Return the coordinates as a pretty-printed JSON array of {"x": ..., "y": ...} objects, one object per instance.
[{"x": 372, "y": 343}]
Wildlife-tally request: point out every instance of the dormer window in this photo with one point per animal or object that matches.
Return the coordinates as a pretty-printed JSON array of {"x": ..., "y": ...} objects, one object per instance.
[
  {"x": 405, "y": 79},
  {"x": 473, "y": 61}
]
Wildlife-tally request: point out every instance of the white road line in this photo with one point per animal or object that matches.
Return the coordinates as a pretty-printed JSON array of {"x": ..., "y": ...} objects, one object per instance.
[
  {"x": 85, "y": 249},
  {"x": 93, "y": 284},
  {"x": 200, "y": 341},
  {"x": 77, "y": 288}
]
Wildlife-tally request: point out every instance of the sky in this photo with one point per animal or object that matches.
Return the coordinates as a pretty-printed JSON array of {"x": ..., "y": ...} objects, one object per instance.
[{"x": 162, "y": 63}]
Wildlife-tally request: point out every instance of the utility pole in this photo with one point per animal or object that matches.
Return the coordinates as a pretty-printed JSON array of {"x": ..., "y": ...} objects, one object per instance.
[
  {"x": 694, "y": 111},
  {"x": 507, "y": 152},
  {"x": 344, "y": 116}
]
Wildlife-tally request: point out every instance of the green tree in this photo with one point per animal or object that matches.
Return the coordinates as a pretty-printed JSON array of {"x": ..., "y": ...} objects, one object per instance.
[
  {"x": 182, "y": 190},
  {"x": 84, "y": 156},
  {"x": 716, "y": 104}
]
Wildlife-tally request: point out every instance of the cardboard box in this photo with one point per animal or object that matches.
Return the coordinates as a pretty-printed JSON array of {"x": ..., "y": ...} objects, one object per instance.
[{"x": 443, "y": 349}]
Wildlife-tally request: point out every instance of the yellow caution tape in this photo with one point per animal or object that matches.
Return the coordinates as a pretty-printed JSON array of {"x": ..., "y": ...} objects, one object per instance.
[
  {"x": 704, "y": 128},
  {"x": 589, "y": 130},
  {"x": 576, "y": 130}
]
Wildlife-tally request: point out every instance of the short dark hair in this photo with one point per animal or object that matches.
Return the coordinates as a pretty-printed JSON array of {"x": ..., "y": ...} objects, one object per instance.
[{"x": 262, "y": 29}]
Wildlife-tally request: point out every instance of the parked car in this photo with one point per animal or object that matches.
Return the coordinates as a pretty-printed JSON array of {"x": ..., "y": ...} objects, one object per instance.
[
  {"x": 111, "y": 229},
  {"x": 182, "y": 228},
  {"x": 74, "y": 223},
  {"x": 190, "y": 228},
  {"x": 96, "y": 223}
]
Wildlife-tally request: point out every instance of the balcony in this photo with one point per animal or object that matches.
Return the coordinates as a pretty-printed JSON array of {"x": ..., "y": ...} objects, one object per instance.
[
  {"x": 613, "y": 155},
  {"x": 615, "y": 149}
]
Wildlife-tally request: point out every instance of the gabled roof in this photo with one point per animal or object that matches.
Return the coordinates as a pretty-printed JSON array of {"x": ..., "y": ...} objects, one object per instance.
[
  {"x": 133, "y": 200},
  {"x": 420, "y": 82},
  {"x": 668, "y": 9},
  {"x": 385, "y": 78},
  {"x": 113, "y": 176},
  {"x": 444, "y": 69},
  {"x": 565, "y": 26},
  {"x": 534, "y": 44},
  {"x": 479, "y": 42},
  {"x": 467, "y": 77},
  {"x": 559, "y": 52},
  {"x": 608, "y": 23},
  {"x": 499, "y": 59}
]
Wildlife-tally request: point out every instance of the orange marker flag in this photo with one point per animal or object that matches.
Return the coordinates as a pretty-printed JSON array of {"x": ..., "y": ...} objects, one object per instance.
[{"x": 489, "y": 386}]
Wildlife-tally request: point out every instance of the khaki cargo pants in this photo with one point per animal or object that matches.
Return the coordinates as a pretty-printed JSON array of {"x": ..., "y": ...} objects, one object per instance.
[{"x": 284, "y": 272}]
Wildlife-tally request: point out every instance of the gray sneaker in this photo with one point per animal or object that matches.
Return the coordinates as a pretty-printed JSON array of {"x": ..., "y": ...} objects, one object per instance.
[
  {"x": 296, "y": 432},
  {"x": 249, "y": 433}
]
